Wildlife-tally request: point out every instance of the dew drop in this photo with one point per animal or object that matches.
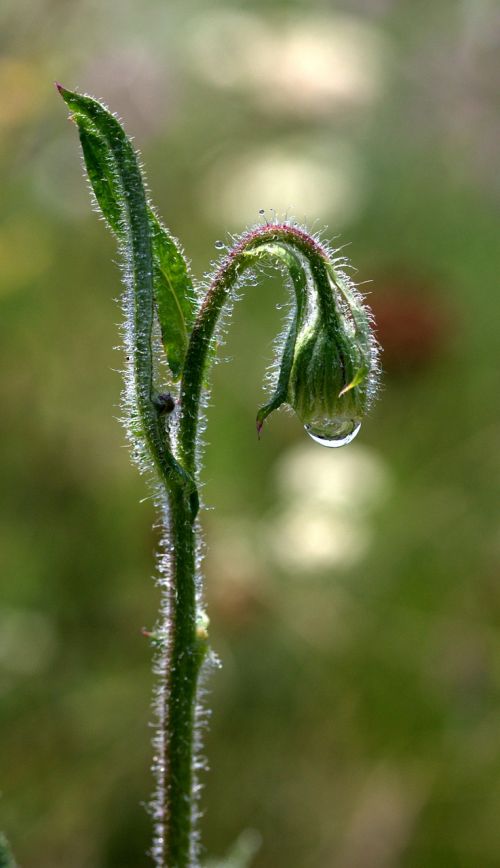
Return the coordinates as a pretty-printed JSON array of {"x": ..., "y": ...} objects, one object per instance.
[
  {"x": 338, "y": 432},
  {"x": 219, "y": 245}
]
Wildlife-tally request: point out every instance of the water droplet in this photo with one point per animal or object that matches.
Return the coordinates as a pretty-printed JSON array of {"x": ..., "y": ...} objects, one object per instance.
[
  {"x": 338, "y": 432},
  {"x": 219, "y": 245},
  {"x": 261, "y": 211}
]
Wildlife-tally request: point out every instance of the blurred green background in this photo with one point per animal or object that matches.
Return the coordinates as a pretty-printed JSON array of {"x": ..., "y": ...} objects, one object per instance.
[{"x": 354, "y": 595}]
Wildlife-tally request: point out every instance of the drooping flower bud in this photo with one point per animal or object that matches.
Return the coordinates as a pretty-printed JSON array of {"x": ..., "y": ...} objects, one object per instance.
[
  {"x": 326, "y": 386},
  {"x": 332, "y": 374}
]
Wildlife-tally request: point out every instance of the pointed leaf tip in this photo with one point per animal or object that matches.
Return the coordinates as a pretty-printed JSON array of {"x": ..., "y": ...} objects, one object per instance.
[
  {"x": 260, "y": 419},
  {"x": 358, "y": 378},
  {"x": 65, "y": 93}
]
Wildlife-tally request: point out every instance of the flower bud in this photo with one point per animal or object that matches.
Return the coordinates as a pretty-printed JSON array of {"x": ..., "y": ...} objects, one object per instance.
[
  {"x": 326, "y": 387},
  {"x": 332, "y": 374}
]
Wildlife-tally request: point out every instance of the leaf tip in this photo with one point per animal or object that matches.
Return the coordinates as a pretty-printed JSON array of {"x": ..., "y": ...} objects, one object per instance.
[{"x": 65, "y": 93}]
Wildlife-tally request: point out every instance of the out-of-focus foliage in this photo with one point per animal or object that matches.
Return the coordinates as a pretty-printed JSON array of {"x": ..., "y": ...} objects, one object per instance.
[
  {"x": 354, "y": 597},
  {"x": 6, "y": 859}
]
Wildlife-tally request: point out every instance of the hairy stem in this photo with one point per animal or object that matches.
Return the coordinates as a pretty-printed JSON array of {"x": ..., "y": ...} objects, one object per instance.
[
  {"x": 327, "y": 374},
  {"x": 117, "y": 182},
  {"x": 269, "y": 241},
  {"x": 179, "y": 667},
  {"x": 282, "y": 245}
]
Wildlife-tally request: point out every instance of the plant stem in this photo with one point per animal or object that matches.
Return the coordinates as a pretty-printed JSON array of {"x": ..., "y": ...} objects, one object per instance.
[
  {"x": 270, "y": 241},
  {"x": 175, "y": 803},
  {"x": 174, "y": 806},
  {"x": 179, "y": 668},
  {"x": 328, "y": 353}
]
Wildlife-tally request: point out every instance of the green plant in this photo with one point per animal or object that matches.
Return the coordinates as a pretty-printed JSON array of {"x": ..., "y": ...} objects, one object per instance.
[{"x": 327, "y": 372}]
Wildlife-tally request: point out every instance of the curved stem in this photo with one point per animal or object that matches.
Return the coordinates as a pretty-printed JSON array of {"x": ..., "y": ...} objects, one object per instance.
[
  {"x": 174, "y": 804},
  {"x": 259, "y": 242},
  {"x": 184, "y": 651}
]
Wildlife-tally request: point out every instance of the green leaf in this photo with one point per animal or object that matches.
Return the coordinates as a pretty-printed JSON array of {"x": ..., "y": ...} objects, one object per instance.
[
  {"x": 102, "y": 175},
  {"x": 174, "y": 294},
  {"x": 172, "y": 283},
  {"x": 119, "y": 189}
]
